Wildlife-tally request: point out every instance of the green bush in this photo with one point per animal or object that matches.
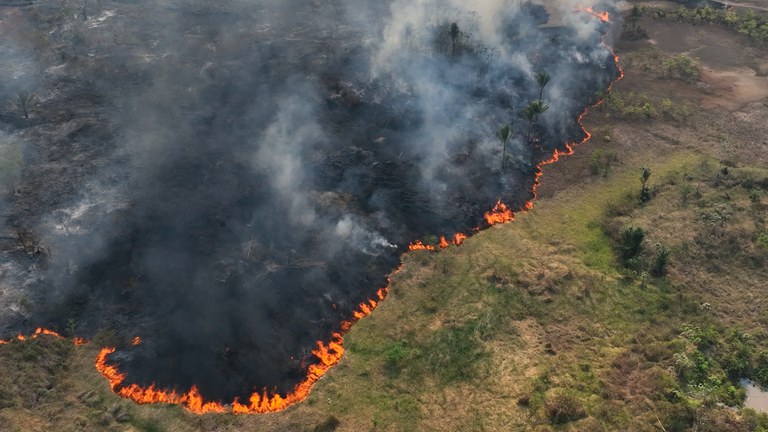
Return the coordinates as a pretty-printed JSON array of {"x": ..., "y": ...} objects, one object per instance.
[
  {"x": 681, "y": 66},
  {"x": 631, "y": 243},
  {"x": 600, "y": 162},
  {"x": 762, "y": 239},
  {"x": 660, "y": 261}
]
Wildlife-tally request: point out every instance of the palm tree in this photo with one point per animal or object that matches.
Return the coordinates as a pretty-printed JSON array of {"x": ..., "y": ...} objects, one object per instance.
[
  {"x": 542, "y": 78},
  {"x": 454, "y": 32},
  {"x": 23, "y": 101},
  {"x": 532, "y": 113},
  {"x": 645, "y": 193},
  {"x": 503, "y": 134}
]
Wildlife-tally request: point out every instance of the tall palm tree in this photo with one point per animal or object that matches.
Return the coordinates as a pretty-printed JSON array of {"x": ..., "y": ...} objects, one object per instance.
[
  {"x": 532, "y": 113},
  {"x": 454, "y": 32},
  {"x": 542, "y": 78},
  {"x": 503, "y": 134},
  {"x": 23, "y": 102}
]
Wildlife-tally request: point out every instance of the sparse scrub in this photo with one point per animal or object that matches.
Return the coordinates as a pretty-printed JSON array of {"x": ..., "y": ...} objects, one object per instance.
[
  {"x": 676, "y": 112},
  {"x": 631, "y": 28},
  {"x": 762, "y": 240},
  {"x": 600, "y": 162},
  {"x": 683, "y": 67},
  {"x": 631, "y": 105},
  {"x": 749, "y": 23}
]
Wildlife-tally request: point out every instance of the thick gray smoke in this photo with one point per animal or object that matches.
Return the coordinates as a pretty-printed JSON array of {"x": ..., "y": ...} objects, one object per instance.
[{"x": 229, "y": 179}]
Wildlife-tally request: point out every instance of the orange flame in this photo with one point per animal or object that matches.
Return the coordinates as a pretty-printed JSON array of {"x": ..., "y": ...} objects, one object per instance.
[
  {"x": 602, "y": 16},
  {"x": 459, "y": 238},
  {"x": 587, "y": 135},
  {"x": 39, "y": 332},
  {"x": 500, "y": 214},
  {"x": 136, "y": 341},
  {"x": 443, "y": 243},
  {"x": 418, "y": 245},
  {"x": 327, "y": 355}
]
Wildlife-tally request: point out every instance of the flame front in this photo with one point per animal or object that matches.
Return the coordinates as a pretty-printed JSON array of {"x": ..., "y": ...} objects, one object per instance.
[
  {"x": 419, "y": 245},
  {"x": 500, "y": 214},
  {"x": 39, "y": 332},
  {"x": 327, "y": 356}
]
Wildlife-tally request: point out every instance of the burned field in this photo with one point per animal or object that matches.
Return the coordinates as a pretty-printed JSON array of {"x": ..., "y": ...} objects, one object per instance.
[{"x": 229, "y": 182}]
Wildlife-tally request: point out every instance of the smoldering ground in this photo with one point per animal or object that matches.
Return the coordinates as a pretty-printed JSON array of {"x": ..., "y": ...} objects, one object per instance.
[{"x": 229, "y": 180}]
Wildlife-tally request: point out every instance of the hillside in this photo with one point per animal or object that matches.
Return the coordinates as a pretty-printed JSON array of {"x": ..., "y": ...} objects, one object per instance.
[{"x": 558, "y": 320}]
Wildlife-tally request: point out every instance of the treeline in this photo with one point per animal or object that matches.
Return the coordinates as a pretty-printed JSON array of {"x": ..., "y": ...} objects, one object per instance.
[{"x": 749, "y": 23}]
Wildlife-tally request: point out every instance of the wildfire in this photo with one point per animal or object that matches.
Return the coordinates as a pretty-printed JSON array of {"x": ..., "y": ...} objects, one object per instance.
[
  {"x": 499, "y": 214},
  {"x": 444, "y": 243},
  {"x": 419, "y": 245},
  {"x": 587, "y": 135},
  {"x": 39, "y": 332},
  {"x": 327, "y": 354},
  {"x": 456, "y": 240},
  {"x": 602, "y": 16}
]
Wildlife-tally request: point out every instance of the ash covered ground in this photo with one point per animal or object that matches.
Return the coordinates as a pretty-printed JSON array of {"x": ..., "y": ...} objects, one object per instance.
[{"x": 229, "y": 180}]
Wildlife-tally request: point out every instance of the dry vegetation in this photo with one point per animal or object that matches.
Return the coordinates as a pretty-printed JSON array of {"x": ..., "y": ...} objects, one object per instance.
[{"x": 541, "y": 324}]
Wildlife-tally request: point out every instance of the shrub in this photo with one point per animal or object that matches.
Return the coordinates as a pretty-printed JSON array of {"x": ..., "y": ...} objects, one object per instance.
[
  {"x": 631, "y": 243},
  {"x": 600, "y": 162},
  {"x": 329, "y": 425},
  {"x": 562, "y": 407},
  {"x": 681, "y": 66},
  {"x": 660, "y": 261},
  {"x": 762, "y": 239}
]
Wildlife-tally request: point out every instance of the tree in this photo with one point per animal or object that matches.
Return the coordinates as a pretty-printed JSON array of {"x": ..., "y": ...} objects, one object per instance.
[
  {"x": 542, "y": 78},
  {"x": 454, "y": 32},
  {"x": 23, "y": 103},
  {"x": 631, "y": 243},
  {"x": 645, "y": 192},
  {"x": 503, "y": 134},
  {"x": 532, "y": 113},
  {"x": 660, "y": 261}
]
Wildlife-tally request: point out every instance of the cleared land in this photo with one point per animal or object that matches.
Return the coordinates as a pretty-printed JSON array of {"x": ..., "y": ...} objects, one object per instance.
[{"x": 550, "y": 322}]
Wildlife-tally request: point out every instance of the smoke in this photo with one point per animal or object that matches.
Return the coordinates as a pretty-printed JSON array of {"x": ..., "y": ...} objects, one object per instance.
[{"x": 244, "y": 174}]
